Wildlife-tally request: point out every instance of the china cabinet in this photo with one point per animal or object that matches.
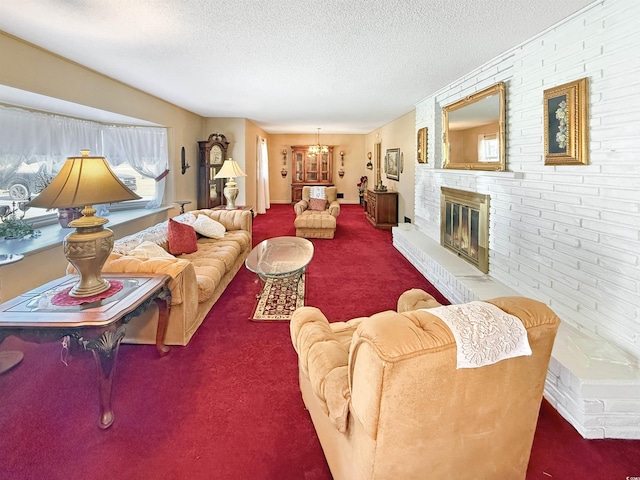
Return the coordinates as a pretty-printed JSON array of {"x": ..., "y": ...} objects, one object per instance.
[
  {"x": 310, "y": 170},
  {"x": 213, "y": 153}
]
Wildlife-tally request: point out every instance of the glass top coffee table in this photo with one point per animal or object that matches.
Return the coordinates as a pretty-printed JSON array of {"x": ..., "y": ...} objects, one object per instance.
[{"x": 280, "y": 257}]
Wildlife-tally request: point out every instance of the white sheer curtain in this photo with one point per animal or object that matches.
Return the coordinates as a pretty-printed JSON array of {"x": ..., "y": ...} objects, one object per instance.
[
  {"x": 263, "y": 176},
  {"x": 41, "y": 139},
  {"x": 144, "y": 148},
  {"x": 46, "y": 140}
]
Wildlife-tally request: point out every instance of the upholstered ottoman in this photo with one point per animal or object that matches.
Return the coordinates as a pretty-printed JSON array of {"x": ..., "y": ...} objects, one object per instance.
[{"x": 315, "y": 224}]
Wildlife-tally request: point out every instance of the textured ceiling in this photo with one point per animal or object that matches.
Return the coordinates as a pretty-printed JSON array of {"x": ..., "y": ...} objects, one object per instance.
[{"x": 291, "y": 66}]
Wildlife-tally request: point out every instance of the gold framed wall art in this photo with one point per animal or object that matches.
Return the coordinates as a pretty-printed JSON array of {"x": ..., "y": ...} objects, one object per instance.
[
  {"x": 566, "y": 124},
  {"x": 422, "y": 145},
  {"x": 392, "y": 163}
]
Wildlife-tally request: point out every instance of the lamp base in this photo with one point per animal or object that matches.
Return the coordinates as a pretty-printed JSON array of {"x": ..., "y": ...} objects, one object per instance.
[
  {"x": 87, "y": 249},
  {"x": 231, "y": 193}
]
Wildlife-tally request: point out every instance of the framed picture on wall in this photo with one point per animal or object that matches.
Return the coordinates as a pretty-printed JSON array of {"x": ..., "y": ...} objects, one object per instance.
[
  {"x": 392, "y": 163},
  {"x": 422, "y": 145},
  {"x": 565, "y": 124}
]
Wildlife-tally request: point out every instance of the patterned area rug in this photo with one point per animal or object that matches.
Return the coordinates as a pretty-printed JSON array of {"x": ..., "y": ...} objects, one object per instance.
[{"x": 279, "y": 299}]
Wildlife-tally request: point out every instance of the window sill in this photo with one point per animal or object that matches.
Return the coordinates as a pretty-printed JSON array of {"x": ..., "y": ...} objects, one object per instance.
[{"x": 52, "y": 235}]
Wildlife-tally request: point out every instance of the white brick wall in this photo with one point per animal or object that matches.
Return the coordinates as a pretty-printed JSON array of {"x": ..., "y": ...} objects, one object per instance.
[{"x": 566, "y": 235}]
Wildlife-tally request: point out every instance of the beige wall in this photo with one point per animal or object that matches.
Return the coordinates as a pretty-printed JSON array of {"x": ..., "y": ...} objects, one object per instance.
[
  {"x": 32, "y": 69},
  {"x": 400, "y": 133},
  {"x": 29, "y": 68},
  {"x": 355, "y": 160}
]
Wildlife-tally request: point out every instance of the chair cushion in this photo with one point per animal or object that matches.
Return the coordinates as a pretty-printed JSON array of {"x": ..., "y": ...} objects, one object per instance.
[
  {"x": 315, "y": 219},
  {"x": 317, "y": 204},
  {"x": 214, "y": 258}
]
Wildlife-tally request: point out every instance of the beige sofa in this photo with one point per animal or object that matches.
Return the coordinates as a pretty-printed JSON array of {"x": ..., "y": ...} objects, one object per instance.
[
  {"x": 197, "y": 279},
  {"x": 388, "y": 402}
]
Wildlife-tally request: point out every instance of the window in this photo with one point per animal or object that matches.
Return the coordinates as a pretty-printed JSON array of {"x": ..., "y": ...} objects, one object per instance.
[
  {"x": 35, "y": 145},
  {"x": 488, "y": 147}
]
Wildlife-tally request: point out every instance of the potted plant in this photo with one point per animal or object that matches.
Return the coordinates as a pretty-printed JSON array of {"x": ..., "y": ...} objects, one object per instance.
[{"x": 13, "y": 227}]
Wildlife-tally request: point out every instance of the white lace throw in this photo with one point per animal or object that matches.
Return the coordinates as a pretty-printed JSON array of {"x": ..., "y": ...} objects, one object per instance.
[
  {"x": 317, "y": 192},
  {"x": 484, "y": 334}
]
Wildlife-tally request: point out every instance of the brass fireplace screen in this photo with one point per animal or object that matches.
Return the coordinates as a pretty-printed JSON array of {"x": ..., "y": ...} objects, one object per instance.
[{"x": 464, "y": 225}]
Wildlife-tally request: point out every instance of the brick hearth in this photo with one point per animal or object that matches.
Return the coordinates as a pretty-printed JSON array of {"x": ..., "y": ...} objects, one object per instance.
[{"x": 593, "y": 385}]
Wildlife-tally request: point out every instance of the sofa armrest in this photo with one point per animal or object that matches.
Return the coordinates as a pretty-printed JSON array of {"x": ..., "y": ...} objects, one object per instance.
[
  {"x": 183, "y": 276},
  {"x": 300, "y": 207},
  {"x": 416, "y": 299},
  {"x": 334, "y": 208},
  {"x": 324, "y": 360}
]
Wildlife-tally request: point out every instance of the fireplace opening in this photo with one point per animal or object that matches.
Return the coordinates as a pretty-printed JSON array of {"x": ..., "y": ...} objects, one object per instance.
[{"x": 464, "y": 225}]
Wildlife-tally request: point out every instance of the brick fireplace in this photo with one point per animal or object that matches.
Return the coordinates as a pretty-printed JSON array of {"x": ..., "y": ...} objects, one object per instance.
[{"x": 464, "y": 225}]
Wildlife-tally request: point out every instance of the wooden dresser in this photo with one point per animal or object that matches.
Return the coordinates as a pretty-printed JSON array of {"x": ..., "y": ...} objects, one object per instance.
[{"x": 381, "y": 208}]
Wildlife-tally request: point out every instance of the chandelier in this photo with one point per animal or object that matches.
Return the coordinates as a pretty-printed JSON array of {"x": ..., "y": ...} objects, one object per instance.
[{"x": 317, "y": 148}]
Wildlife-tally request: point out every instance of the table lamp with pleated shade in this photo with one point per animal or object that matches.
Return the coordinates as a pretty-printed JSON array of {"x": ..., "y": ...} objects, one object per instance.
[
  {"x": 230, "y": 169},
  {"x": 83, "y": 182}
]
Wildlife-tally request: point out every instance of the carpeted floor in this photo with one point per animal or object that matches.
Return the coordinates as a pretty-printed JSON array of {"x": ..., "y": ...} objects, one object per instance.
[{"x": 227, "y": 406}]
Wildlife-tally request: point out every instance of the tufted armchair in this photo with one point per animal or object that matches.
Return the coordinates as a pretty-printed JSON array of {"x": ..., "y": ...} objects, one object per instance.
[
  {"x": 388, "y": 402},
  {"x": 313, "y": 221}
]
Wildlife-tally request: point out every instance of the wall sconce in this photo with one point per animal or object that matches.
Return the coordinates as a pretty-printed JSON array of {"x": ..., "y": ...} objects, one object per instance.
[
  {"x": 284, "y": 171},
  {"x": 369, "y": 164},
  {"x": 341, "y": 171},
  {"x": 183, "y": 162}
]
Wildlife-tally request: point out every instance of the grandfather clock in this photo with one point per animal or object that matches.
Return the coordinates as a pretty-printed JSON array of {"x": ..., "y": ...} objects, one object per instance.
[{"x": 213, "y": 153}]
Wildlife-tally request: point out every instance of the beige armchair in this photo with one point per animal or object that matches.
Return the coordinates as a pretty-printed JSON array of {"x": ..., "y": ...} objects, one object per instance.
[
  {"x": 313, "y": 223},
  {"x": 388, "y": 402}
]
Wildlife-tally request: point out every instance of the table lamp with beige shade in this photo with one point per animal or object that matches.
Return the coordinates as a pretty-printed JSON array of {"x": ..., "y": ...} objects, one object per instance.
[
  {"x": 230, "y": 169},
  {"x": 83, "y": 182}
]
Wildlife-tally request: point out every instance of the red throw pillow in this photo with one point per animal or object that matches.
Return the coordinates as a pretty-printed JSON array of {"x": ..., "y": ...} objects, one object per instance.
[
  {"x": 317, "y": 204},
  {"x": 182, "y": 238}
]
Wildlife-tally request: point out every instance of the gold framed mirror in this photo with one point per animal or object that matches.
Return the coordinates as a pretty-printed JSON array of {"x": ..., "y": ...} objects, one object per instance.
[{"x": 474, "y": 131}]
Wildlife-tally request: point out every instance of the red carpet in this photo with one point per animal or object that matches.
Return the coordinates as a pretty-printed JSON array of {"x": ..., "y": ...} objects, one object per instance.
[{"x": 227, "y": 406}]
